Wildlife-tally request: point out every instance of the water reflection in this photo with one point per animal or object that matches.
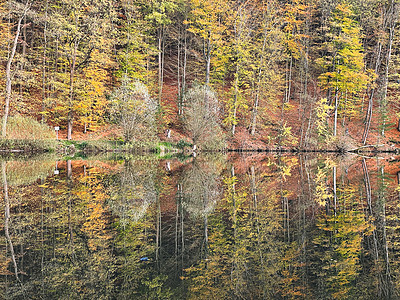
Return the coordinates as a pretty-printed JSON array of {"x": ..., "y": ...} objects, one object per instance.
[{"x": 211, "y": 227}]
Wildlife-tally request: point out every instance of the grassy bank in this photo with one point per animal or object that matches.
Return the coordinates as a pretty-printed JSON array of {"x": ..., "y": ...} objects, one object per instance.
[
  {"x": 83, "y": 148},
  {"x": 27, "y": 145}
]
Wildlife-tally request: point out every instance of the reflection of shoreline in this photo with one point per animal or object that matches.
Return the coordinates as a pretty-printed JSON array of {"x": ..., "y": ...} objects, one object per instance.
[{"x": 20, "y": 172}]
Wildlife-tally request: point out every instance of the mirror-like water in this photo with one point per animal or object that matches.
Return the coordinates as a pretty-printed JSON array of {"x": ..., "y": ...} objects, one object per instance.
[{"x": 214, "y": 227}]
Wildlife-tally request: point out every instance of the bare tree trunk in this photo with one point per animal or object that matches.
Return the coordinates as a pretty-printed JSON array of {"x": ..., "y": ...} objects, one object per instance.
[
  {"x": 184, "y": 70},
  {"x": 8, "y": 71},
  {"x": 23, "y": 55},
  {"x": 336, "y": 111},
  {"x": 44, "y": 63},
  {"x": 254, "y": 114},
  {"x": 160, "y": 62},
  {"x": 257, "y": 97},
  {"x": 71, "y": 90},
  {"x": 179, "y": 75},
  {"x": 368, "y": 116},
  {"x": 289, "y": 81},
  {"x": 207, "y": 56},
  {"x": 235, "y": 100},
  {"x": 394, "y": 16}
]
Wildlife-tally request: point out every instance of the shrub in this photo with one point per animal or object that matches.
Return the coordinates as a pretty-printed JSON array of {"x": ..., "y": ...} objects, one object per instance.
[
  {"x": 134, "y": 110},
  {"x": 26, "y": 128}
]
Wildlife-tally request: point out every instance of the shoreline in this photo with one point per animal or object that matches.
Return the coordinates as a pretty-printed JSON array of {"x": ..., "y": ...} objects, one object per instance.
[{"x": 10, "y": 146}]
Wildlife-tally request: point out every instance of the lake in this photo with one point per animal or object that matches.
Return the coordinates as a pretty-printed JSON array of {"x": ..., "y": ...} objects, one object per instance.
[{"x": 220, "y": 226}]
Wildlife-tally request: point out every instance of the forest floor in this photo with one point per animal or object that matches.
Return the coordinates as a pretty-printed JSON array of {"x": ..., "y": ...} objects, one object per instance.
[
  {"x": 244, "y": 140},
  {"x": 350, "y": 132}
]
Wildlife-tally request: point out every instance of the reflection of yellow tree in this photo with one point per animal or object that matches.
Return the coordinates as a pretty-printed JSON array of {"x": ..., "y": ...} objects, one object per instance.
[
  {"x": 291, "y": 286},
  {"x": 244, "y": 247},
  {"x": 139, "y": 279},
  {"x": 286, "y": 165},
  {"x": 322, "y": 193},
  {"x": 93, "y": 196},
  {"x": 343, "y": 229}
]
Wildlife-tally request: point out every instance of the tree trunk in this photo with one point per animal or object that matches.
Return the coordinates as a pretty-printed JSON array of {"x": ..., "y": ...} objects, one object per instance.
[
  {"x": 8, "y": 71},
  {"x": 207, "y": 54},
  {"x": 254, "y": 115},
  {"x": 289, "y": 81},
  {"x": 71, "y": 91},
  {"x": 44, "y": 63},
  {"x": 368, "y": 116},
  {"x": 235, "y": 100},
  {"x": 179, "y": 76},
  {"x": 393, "y": 16},
  {"x": 160, "y": 62},
  {"x": 257, "y": 97},
  {"x": 336, "y": 112}
]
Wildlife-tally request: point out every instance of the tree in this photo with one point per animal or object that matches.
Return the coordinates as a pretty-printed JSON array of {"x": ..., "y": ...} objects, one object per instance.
[
  {"x": 4, "y": 38},
  {"x": 134, "y": 49},
  {"x": 160, "y": 12},
  {"x": 80, "y": 27},
  {"x": 134, "y": 110},
  {"x": 241, "y": 46},
  {"x": 209, "y": 22},
  {"x": 8, "y": 68},
  {"x": 202, "y": 114},
  {"x": 344, "y": 65},
  {"x": 264, "y": 74},
  {"x": 93, "y": 103},
  {"x": 294, "y": 19}
]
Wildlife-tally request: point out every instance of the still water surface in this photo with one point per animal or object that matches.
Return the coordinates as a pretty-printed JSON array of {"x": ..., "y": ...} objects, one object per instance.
[{"x": 213, "y": 227}]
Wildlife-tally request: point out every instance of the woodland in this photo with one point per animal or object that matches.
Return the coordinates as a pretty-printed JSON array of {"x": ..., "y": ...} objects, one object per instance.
[{"x": 215, "y": 73}]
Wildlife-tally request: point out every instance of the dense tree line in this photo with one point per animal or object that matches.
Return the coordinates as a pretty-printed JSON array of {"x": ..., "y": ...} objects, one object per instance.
[{"x": 270, "y": 64}]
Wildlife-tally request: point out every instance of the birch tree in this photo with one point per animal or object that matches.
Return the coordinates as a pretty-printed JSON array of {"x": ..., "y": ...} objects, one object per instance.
[{"x": 10, "y": 60}]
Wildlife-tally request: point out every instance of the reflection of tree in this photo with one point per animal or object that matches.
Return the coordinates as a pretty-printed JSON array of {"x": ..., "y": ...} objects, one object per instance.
[
  {"x": 244, "y": 246},
  {"x": 236, "y": 247},
  {"x": 134, "y": 200},
  {"x": 7, "y": 218},
  {"x": 342, "y": 227},
  {"x": 64, "y": 234},
  {"x": 135, "y": 191},
  {"x": 139, "y": 279},
  {"x": 201, "y": 188},
  {"x": 382, "y": 213}
]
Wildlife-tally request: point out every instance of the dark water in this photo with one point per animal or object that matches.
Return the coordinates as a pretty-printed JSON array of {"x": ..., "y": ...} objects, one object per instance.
[{"x": 217, "y": 227}]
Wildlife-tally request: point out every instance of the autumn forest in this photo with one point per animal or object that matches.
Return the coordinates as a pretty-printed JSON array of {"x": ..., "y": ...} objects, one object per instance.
[
  {"x": 217, "y": 73},
  {"x": 200, "y": 149}
]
